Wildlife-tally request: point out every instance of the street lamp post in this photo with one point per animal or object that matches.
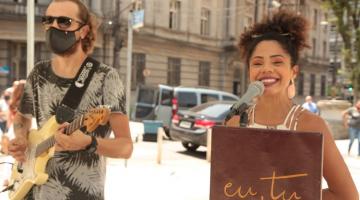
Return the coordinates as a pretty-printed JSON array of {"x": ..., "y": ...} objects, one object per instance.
[
  {"x": 30, "y": 35},
  {"x": 334, "y": 71},
  {"x": 129, "y": 62}
]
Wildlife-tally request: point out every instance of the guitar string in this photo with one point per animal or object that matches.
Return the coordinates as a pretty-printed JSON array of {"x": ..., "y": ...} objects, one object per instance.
[
  {"x": 34, "y": 152},
  {"x": 46, "y": 144}
]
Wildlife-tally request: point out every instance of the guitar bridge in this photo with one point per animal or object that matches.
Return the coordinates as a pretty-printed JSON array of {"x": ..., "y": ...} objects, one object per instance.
[{"x": 20, "y": 169}]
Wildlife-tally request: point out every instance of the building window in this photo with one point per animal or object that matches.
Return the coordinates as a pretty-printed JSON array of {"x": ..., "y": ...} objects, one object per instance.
[
  {"x": 204, "y": 73},
  {"x": 249, "y": 22},
  {"x": 312, "y": 84},
  {"x": 174, "y": 69},
  {"x": 205, "y": 22},
  {"x": 300, "y": 84},
  {"x": 227, "y": 18},
  {"x": 313, "y": 47},
  {"x": 315, "y": 20},
  {"x": 324, "y": 49},
  {"x": 323, "y": 85},
  {"x": 174, "y": 15},
  {"x": 138, "y": 66},
  {"x": 23, "y": 61},
  {"x": 237, "y": 81},
  {"x": 326, "y": 18}
]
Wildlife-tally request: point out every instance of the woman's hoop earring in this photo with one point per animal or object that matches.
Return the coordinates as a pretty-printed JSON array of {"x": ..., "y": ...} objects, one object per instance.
[{"x": 291, "y": 89}]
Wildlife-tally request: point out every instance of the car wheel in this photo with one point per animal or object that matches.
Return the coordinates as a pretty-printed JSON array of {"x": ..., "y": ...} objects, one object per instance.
[
  {"x": 167, "y": 132},
  {"x": 190, "y": 146}
]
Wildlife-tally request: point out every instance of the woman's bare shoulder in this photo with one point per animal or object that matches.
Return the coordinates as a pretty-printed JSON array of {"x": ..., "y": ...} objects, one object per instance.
[
  {"x": 308, "y": 121},
  {"x": 233, "y": 122}
]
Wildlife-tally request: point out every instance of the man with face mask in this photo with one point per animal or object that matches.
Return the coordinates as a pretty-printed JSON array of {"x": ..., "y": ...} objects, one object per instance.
[{"x": 77, "y": 169}]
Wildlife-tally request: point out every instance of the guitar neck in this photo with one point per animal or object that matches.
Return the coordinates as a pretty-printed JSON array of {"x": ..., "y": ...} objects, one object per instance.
[{"x": 49, "y": 142}]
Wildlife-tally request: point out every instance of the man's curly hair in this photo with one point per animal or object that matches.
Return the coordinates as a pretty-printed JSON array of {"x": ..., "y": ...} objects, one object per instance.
[{"x": 285, "y": 27}]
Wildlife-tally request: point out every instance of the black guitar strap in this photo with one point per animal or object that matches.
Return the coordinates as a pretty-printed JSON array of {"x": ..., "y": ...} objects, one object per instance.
[{"x": 66, "y": 111}]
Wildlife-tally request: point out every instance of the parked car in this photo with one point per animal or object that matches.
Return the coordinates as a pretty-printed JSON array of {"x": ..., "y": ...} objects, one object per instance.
[
  {"x": 162, "y": 102},
  {"x": 190, "y": 127}
]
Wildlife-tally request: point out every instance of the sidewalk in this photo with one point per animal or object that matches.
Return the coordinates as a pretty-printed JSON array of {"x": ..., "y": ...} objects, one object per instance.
[
  {"x": 352, "y": 161},
  {"x": 187, "y": 179},
  {"x": 180, "y": 176}
]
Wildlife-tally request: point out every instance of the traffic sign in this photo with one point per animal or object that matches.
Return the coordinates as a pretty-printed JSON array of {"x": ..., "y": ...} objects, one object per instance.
[{"x": 138, "y": 19}]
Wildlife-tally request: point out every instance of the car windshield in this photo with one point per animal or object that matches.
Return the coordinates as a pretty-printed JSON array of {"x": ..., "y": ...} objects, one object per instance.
[{"x": 212, "y": 110}]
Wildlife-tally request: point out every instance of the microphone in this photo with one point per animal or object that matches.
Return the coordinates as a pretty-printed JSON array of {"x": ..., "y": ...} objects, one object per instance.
[{"x": 255, "y": 89}]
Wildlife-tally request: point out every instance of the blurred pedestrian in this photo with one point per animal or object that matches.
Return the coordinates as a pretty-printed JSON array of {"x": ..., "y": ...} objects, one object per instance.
[
  {"x": 310, "y": 105},
  {"x": 351, "y": 119},
  {"x": 18, "y": 89},
  {"x": 13, "y": 96},
  {"x": 4, "y": 115},
  {"x": 4, "y": 108}
]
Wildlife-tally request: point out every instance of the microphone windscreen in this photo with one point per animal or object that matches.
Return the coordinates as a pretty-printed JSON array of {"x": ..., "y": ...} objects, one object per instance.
[{"x": 259, "y": 86}]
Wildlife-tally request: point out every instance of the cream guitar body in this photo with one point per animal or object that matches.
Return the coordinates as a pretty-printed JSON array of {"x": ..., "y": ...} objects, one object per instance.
[
  {"x": 33, "y": 170},
  {"x": 41, "y": 148}
]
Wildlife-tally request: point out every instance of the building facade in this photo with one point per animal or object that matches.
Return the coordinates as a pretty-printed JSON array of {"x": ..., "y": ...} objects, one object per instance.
[{"x": 183, "y": 42}]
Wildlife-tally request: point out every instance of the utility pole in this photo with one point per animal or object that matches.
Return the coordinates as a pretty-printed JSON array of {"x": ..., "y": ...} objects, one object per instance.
[
  {"x": 135, "y": 21},
  {"x": 269, "y": 7},
  {"x": 30, "y": 35},
  {"x": 129, "y": 61},
  {"x": 116, "y": 33},
  {"x": 334, "y": 70},
  {"x": 256, "y": 11}
]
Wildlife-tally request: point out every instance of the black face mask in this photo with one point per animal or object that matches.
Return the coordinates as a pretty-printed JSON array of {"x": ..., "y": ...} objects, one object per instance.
[{"x": 60, "y": 41}]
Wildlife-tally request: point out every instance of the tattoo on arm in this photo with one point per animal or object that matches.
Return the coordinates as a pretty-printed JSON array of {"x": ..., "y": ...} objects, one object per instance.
[{"x": 18, "y": 125}]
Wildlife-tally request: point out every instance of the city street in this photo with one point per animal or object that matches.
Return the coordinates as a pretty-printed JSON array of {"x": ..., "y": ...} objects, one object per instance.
[
  {"x": 180, "y": 176},
  {"x": 158, "y": 59}
]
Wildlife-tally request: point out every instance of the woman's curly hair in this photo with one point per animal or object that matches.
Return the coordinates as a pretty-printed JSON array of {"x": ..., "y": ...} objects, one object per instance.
[{"x": 287, "y": 28}]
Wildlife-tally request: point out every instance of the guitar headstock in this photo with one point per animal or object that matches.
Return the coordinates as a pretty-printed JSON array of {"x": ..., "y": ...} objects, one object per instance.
[{"x": 95, "y": 117}]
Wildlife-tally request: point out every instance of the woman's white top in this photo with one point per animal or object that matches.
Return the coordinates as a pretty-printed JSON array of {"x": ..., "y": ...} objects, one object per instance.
[{"x": 290, "y": 122}]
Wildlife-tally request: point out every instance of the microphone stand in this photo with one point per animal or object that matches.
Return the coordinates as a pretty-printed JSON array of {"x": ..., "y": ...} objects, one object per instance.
[
  {"x": 234, "y": 110},
  {"x": 243, "y": 122}
]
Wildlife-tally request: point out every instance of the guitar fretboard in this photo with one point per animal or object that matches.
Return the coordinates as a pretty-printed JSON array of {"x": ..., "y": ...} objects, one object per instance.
[{"x": 49, "y": 142}]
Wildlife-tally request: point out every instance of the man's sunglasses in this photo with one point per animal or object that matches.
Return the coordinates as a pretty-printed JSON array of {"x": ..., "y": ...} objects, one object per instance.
[{"x": 63, "y": 22}]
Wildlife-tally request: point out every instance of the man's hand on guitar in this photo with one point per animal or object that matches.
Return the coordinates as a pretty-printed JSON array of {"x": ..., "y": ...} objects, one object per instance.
[
  {"x": 17, "y": 148},
  {"x": 73, "y": 142}
]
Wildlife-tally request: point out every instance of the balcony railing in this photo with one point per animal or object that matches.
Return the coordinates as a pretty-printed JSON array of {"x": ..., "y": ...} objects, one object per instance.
[
  {"x": 12, "y": 8},
  {"x": 317, "y": 59}
]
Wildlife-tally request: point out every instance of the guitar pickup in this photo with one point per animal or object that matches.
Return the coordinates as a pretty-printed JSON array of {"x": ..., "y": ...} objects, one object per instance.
[{"x": 20, "y": 169}]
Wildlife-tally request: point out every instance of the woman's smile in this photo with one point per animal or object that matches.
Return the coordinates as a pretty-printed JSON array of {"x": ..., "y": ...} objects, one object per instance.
[{"x": 269, "y": 81}]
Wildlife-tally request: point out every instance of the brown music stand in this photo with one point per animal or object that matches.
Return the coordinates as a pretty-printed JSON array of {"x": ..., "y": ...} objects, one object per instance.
[{"x": 249, "y": 163}]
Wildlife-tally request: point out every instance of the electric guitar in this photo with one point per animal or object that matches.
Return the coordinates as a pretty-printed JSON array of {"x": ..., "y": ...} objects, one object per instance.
[{"x": 41, "y": 149}]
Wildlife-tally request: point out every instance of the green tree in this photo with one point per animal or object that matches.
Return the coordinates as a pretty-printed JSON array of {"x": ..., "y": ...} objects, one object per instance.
[{"x": 347, "y": 19}]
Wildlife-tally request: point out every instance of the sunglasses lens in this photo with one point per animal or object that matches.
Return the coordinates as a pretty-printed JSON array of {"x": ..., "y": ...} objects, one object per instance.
[
  {"x": 47, "y": 20},
  {"x": 64, "y": 22}
]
